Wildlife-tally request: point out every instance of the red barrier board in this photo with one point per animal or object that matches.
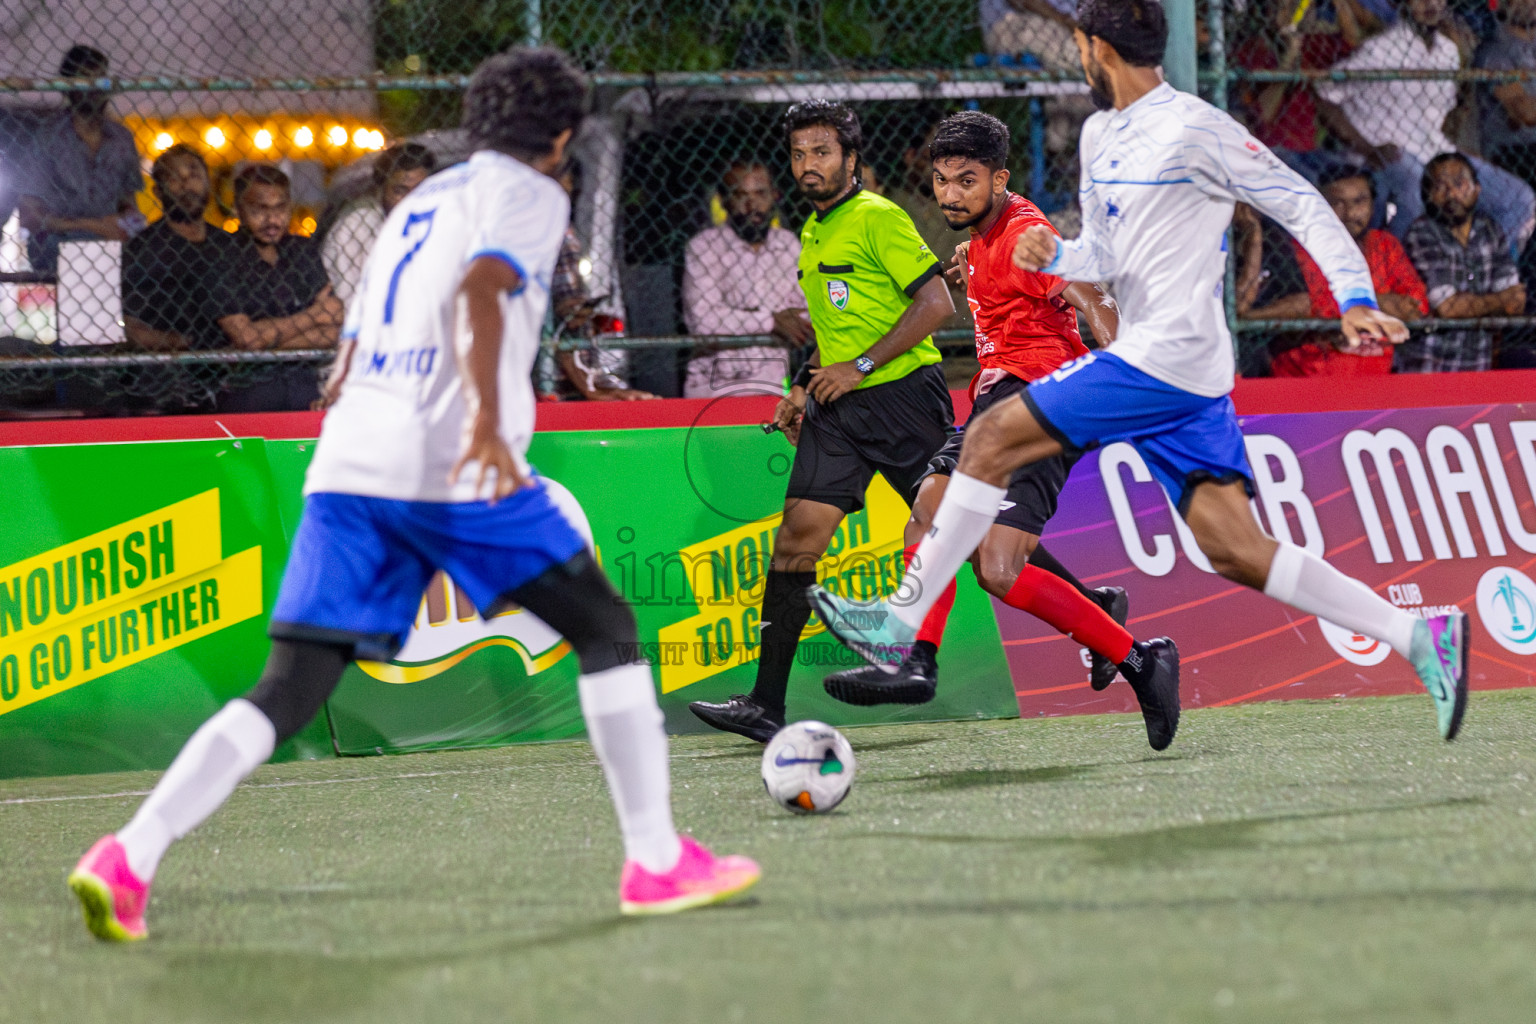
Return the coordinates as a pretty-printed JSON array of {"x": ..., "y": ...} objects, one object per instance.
[
  {"x": 1252, "y": 397},
  {"x": 1432, "y": 508}
]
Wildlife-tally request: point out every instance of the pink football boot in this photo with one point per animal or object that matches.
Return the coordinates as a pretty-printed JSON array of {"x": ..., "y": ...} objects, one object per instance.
[
  {"x": 698, "y": 878},
  {"x": 111, "y": 895}
]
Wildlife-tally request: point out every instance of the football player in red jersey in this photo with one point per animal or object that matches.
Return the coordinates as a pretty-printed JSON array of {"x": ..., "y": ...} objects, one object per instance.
[{"x": 1026, "y": 327}]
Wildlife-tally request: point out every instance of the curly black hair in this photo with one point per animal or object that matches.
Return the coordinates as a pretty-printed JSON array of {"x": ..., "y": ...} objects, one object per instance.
[
  {"x": 520, "y": 101},
  {"x": 1137, "y": 29},
  {"x": 971, "y": 135},
  {"x": 828, "y": 114}
]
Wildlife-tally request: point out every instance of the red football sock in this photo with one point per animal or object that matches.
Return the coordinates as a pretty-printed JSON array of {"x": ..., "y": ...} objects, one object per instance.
[
  {"x": 1057, "y": 602},
  {"x": 932, "y": 630}
]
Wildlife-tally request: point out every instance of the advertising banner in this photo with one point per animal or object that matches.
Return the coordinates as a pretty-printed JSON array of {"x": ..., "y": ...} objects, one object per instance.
[
  {"x": 1431, "y": 508},
  {"x": 683, "y": 520},
  {"x": 134, "y": 581}
]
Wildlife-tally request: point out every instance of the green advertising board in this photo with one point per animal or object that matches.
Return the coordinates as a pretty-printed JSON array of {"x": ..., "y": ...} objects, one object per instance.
[
  {"x": 134, "y": 585},
  {"x": 683, "y": 521}
]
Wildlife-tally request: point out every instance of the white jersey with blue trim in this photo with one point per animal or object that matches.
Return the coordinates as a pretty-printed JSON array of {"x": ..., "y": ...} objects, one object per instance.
[
  {"x": 1159, "y": 182},
  {"x": 400, "y": 422}
]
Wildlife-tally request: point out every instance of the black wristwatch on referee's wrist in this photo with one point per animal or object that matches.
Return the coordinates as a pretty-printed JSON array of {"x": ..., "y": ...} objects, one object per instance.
[{"x": 864, "y": 365}]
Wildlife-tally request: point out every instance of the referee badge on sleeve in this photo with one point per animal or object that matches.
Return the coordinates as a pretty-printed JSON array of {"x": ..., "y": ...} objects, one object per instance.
[{"x": 837, "y": 291}]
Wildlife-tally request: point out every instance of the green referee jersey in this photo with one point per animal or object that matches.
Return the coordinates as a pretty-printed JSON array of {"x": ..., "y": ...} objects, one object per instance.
[{"x": 860, "y": 264}]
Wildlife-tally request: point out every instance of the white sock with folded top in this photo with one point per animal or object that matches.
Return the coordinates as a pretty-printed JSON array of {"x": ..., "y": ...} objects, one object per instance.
[
  {"x": 1304, "y": 581},
  {"x": 625, "y": 726},
  {"x": 223, "y": 751},
  {"x": 965, "y": 515}
]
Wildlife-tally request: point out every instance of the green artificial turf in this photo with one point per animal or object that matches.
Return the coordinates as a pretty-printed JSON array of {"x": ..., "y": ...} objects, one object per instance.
[{"x": 1282, "y": 862}]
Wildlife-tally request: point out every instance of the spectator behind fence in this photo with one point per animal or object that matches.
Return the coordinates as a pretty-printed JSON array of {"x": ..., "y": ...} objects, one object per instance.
[
  {"x": 740, "y": 278},
  {"x": 1464, "y": 259},
  {"x": 1509, "y": 108},
  {"x": 1266, "y": 263},
  {"x": 84, "y": 175},
  {"x": 273, "y": 294},
  {"x": 172, "y": 267},
  {"x": 1399, "y": 291},
  {"x": 1398, "y": 125},
  {"x": 1285, "y": 115},
  {"x": 592, "y": 373},
  {"x": 1042, "y": 28},
  {"x": 396, "y": 171}
]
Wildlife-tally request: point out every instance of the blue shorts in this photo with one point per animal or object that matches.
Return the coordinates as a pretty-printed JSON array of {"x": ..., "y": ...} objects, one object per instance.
[
  {"x": 359, "y": 566},
  {"x": 1185, "y": 439}
]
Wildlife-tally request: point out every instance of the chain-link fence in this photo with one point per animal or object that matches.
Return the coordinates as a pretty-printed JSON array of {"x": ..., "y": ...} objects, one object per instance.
[
  {"x": 1416, "y": 119},
  {"x": 134, "y": 137}
]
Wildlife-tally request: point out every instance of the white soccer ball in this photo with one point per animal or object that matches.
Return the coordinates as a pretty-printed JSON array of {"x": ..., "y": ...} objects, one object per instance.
[{"x": 808, "y": 767}]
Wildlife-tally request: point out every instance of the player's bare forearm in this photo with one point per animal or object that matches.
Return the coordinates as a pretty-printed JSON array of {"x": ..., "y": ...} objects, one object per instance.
[
  {"x": 1098, "y": 308},
  {"x": 931, "y": 306}
]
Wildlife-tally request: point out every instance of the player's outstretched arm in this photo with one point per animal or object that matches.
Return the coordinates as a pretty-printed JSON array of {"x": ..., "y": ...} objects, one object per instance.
[
  {"x": 1098, "y": 308},
  {"x": 1225, "y": 161},
  {"x": 1040, "y": 250},
  {"x": 486, "y": 280}
]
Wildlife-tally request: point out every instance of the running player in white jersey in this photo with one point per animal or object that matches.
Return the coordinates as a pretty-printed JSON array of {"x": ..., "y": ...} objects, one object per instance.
[
  {"x": 421, "y": 467},
  {"x": 1161, "y": 172}
]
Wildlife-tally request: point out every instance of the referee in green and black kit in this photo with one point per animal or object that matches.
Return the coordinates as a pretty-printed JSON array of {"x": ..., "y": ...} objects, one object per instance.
[{"x": 872, "y": 400}]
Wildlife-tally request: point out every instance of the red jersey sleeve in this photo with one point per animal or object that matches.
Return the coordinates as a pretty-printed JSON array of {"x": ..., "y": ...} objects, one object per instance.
[{"x": 1023, "y": 326}]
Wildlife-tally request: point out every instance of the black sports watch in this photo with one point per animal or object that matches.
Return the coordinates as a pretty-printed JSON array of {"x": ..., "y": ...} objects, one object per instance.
[{"x": 864, "y": 365}]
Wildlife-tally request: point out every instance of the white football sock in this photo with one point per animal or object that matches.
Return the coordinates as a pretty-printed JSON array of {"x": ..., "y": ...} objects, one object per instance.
[
  {"x": 227, "y": 748},
  {"x": 963, "y": 519},
  {"x": 1304, "y": 581},
  {"x": 625, "y": 725}
]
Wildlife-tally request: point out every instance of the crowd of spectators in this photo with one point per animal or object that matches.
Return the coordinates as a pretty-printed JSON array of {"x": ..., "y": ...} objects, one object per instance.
[
  {"x": 1446, "y": 166},
  {"x": 1433, "y": 177}
]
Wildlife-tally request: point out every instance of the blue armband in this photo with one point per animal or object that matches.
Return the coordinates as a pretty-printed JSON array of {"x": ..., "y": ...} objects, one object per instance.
[{"x": 1357, "y": 299}]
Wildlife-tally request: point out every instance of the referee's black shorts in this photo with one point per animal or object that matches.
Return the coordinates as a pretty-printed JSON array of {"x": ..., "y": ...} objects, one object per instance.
[
  {"x": 892, "y": 429},
  {"x": 1033, "y": 489}
]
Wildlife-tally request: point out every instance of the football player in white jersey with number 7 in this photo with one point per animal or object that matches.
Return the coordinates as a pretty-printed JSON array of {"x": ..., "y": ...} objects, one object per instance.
[
  {"x": 421, "y": 467},
  {"x": 1161, "y": 173}
]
